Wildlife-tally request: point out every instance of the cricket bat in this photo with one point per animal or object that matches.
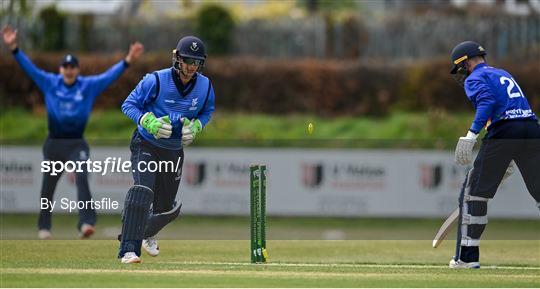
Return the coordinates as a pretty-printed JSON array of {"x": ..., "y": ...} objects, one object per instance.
[
  {"x": 450, "y": 221},
  {"x": 445, "y": 228}
]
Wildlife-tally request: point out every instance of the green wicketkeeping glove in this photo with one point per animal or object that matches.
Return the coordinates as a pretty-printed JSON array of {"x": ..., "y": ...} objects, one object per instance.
[
  {"x": 158, "y": 127},
  {"x": 190, "y": 129}
]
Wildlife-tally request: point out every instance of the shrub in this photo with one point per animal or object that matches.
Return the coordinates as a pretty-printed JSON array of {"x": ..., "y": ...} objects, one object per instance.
[
  {"x": 214, "y": 25},
  {"x": 325, "y": 88}
]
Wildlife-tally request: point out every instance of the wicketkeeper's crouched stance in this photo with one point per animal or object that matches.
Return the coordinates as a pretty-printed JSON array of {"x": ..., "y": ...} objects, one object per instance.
[
  {"x": 170, "y": 106},
  {"x": 512, "y": 135}
]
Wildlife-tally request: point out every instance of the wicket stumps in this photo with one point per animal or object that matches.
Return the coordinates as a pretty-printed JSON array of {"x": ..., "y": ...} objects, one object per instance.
[{"x": 257, "y": 183}]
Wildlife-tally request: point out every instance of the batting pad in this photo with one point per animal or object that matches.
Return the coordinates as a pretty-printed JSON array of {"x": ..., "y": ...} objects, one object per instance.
[
  {"x": 136, "y": 209},
  {"x": 156, "y": 222}
]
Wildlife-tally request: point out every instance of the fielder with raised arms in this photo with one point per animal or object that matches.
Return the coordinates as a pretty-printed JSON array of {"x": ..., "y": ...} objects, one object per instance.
[
  {"x": 69, "y": 98},
  {"x": 170, "y": 106},
  {"x": 513, "y": 133}
]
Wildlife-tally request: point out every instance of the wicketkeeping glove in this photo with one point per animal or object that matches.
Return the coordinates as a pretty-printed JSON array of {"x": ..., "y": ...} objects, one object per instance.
[
  {"x": 190, "y": 129},
  {"x": 464, "y": 148},
  {"x": 158, "y": 127}
]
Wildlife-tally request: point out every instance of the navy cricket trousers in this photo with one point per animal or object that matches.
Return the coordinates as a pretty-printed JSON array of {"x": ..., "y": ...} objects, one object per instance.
[
  {"x": 164, "y": 182},
  {"x": 506, "y": 140},
  {"x": 66, "y": 150}
]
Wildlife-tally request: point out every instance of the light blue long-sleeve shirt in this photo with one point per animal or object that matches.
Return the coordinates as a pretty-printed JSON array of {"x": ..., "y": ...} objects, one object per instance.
[
  {"x": 68, "y": 107},
  {"x": 162, "y": 93}
]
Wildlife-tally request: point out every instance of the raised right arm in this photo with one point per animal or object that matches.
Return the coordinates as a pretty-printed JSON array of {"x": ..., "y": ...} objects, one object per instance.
[{"x": 40, "y": 77}]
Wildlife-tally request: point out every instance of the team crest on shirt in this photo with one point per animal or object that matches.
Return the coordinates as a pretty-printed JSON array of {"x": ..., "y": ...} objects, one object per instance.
[
  {"x": 78, "y": 96},
  {"x": 194, "y": 103},
  {"x": 194, "y": 46}
]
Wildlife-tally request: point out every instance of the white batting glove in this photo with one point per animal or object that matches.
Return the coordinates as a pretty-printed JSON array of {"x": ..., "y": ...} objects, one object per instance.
[{"x": 464, "y": 148}]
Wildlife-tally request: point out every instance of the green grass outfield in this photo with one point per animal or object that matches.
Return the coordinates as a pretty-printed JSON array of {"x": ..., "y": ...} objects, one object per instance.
[
  {"x": 214, "y": 252},
  {"x": 400, "y": 129},
  {"x": 71, "y": 263}
]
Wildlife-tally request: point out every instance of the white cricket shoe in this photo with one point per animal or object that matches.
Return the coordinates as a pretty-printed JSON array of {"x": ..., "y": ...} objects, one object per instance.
[
  {"x": 87, "y": 230},
  {"x": 151, "y": 247},
  {"x": 44, "y": 234},
  {"x": 460, "y": 264},
  {"x": 131, "y": 257}
]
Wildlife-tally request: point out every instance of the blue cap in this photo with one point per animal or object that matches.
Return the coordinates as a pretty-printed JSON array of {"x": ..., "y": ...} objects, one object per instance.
[{"x": 70, "y": 60}]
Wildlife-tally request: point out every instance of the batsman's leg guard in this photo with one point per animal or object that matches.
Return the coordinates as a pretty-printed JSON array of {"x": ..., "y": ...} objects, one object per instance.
[
  {"x": 156, "y": 222},
  {"x": 472, "y": 222},
  {"x": 134, "y": 218}
]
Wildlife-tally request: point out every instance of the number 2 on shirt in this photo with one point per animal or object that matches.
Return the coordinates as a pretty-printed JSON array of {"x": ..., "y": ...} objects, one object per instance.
[{"x": 511, "y": 84}]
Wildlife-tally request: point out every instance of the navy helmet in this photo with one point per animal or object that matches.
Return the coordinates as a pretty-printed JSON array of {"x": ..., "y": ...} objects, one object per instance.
[
  {"x": 191, "y": 47},
  {"x": 463, "y": 51}
]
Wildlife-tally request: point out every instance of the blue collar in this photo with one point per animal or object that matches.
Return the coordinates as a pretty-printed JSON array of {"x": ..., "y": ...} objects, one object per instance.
[{"x": 183, "y": 89}]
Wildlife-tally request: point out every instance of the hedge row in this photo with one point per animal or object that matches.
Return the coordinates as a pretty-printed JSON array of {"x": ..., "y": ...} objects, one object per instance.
[{"x": 284, "y": 86}]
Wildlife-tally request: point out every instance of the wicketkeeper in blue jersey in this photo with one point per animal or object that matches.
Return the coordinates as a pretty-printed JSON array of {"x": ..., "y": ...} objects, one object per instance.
[
  {"x": 170, "y": 107},
  {"x": 69, "y": 98},
  {"x": 513, "y": 134}
]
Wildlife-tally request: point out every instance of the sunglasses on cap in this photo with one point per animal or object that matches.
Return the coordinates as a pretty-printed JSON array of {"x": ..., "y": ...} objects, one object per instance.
[{"x": 192, "y": 61}]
